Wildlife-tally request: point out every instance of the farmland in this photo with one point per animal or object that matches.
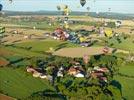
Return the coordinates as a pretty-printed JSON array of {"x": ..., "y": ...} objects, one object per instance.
[
  {"x": 127, "y": 87},
  {"x": 18, "y": 84},
  {"x": 41, "y": 50}
]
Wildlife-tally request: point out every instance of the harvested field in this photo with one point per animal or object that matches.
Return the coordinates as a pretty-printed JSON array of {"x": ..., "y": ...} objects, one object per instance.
[
  {"x": 4, "y": 52},
  {"x": 79, "y": 51},
  {"x": 4, "y": 97},
  {"x": 3, "y": 62}
]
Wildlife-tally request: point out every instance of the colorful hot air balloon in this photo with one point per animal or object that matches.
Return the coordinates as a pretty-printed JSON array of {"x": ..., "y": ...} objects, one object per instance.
[
  {"x": 1, "y": 6},
  {"x": 82, "y": 2},
  {"x": 66, "y": 10},
  {"x": 108, "y": 32}
]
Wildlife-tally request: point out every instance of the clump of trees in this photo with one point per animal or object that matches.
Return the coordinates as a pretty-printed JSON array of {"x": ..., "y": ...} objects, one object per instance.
[{"x": 88, "y": 88}]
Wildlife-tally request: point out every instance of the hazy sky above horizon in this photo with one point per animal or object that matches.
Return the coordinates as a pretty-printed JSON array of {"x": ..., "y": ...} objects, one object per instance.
[{"x": 119, "y": 6}]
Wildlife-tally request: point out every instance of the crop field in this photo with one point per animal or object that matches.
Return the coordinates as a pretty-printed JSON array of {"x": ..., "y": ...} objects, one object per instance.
[
  {"x": 18, "y": 84},
  {"x": 25, "y": 43}
]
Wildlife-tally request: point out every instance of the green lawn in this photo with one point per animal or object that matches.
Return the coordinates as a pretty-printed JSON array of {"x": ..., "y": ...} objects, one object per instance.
[
  {"x": 19, "y": 52},
  {"x": 19, "y": 84},
  {"x": 127, "y": 87},
  {"x": 46, "y": 45},
  {"x": 127, "y": 83},
  {"x": 37, "y": 50},
  {"x": 127, "y": 69}
]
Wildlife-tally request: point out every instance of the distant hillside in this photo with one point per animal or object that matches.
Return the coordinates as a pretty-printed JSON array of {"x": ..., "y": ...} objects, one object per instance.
[{"x": 74, "y": 13}]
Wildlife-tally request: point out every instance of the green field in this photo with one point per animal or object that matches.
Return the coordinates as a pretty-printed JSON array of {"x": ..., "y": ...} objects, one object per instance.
[
  {"x": 124, "y": 45},
  {"x": 36, "y": 47},
  {"x": 19, "y": 84},
  {"x": 46, "y": 45},
  {"x": 127, "y": 87},
  {"x": 127, "y": 69},
  {"x": 127, "y": 83}
]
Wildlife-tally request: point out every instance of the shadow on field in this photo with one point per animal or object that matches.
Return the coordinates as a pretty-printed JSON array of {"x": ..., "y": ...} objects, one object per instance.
[{"x": 63, "y": 45}]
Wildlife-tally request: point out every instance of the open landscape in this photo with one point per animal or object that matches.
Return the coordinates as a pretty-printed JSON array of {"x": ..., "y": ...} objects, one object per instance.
[{"x": 66, "y": 55}]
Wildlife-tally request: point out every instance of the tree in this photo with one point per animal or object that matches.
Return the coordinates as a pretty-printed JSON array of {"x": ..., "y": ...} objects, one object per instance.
[
  {"x": 44, "y": 95},
  {"x": 115, "y": 92}
]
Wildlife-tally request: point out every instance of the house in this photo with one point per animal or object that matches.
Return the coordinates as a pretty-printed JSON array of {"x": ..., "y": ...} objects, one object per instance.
[
  {"x": 103, "y": 69},
  {"x": 61, "y": 68},
  {"x": 76, "y": 72},
  {"x": 30, "y": 69},
  {"x": 103, "y": 79},
  {"x": 118, "y": 23},
  {"x": 49, "y": 77},
  {"x": 79, "y": 75},
  {"x": 36, "y": 74},
  {"x": 96, "y": 74},
  {"x": 105, "y": 50},
  {"x": 72, "y": 71},
  {"x": 60, "y": 74},
  {"x": 43, "y": 76}
]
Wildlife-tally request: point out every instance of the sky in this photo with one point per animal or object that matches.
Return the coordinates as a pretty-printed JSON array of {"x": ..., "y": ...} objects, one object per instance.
[{"x": 119, "y": 6}]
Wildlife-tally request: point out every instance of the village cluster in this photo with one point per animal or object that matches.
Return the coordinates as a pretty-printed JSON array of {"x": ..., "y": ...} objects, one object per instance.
[{"x": 76, "y": 71}]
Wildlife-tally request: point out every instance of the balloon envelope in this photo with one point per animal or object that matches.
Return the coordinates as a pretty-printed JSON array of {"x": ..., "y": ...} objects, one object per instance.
[
  {"x": 108, "y": 32},
  {"x": 10, "y": 1},
  {"x": 82, "y": 2},
  {"x": 58, "y": 8},
  {"x": 1, "y": 6}
]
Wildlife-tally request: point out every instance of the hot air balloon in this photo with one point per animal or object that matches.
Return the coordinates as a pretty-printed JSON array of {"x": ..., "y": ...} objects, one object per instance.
[
  {"x": 109, "y": 9},
  {"x": 108, "y": 32},
  {"x": 10, "y": 1},
  {"x": 88, "y": 8},
  {"x": 1, "y": 6},
  {"x": 66, "y": 10},
  {"x": 82, "y": 2},
  {"x": 58, "y": 8}
]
